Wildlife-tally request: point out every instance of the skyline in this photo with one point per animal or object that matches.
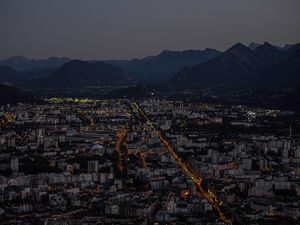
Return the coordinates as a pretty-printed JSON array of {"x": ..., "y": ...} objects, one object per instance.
[
  {"x": 134, "y": 29},
  {"x": 152, "y": 55}
]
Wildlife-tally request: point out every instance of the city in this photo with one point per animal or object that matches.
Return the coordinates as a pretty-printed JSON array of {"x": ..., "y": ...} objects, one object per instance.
[
  {"x": 139, "y": 112},
  {"x": 151, "y": 161}
]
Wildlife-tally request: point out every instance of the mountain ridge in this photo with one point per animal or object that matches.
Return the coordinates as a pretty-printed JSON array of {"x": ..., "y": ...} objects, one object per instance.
[
  {"x": 167, "y": 63},
  {"x": 21, "y": 63},
  {"x": 12, "y": 95},
  {"x": 77, "y": 73},
  {"x": 241, "y": 66}
]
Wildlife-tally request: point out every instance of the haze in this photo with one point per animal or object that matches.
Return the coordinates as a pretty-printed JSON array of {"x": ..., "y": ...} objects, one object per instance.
[{"x": 119, "y": 29}]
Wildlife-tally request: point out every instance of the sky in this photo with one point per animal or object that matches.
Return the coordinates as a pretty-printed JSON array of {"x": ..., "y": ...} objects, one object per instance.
[{"x": 123, "y": 29}]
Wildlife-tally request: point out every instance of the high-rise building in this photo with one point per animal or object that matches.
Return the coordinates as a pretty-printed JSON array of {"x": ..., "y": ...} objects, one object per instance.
[
  {"x": 14, "y": 164},
  {"x": 93, "y": 166},
  {"x": 215, "y": 157},
  {"x": 11, "y": 143}
]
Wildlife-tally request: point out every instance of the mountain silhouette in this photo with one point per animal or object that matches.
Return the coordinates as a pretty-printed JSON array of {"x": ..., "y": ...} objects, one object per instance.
[
  {"x": 252, "y": 46},
  {"x": 283, "y": 74},
  {"x": 167, "y": 63},
  {"x": 265, "y": 66},
  {"x": 77, "y": 73},
  {"x": 232, "y": 67},
  {"x": 269, "y": 53},
  {"x": 10, "y": 76},
  {"x": 12, "y": 95},
  {"x": 21, "y": 63}
]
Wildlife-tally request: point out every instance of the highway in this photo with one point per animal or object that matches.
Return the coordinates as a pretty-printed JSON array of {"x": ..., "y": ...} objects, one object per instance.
[{"x": 209, "y": 195}]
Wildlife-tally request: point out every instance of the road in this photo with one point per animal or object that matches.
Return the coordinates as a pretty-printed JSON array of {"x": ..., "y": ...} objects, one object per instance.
[
  {"x": 209, "y": 195},
  {"x": 121, "y": 134},
  {"x": 7, "y": 118},
  {"x": 142, "y": 157}
]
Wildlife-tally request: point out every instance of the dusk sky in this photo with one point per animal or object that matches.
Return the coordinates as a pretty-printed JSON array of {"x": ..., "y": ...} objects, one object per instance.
[{"x": 120, "y": 29}]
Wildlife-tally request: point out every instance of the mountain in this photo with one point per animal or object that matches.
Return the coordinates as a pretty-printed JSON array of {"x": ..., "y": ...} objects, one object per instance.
[
  {"x": 20, "y": 79},
  {"x": 239, "y": 65},
  {"x": 21, "y": 63},
  {"x": 292, "y": 50},
  {"x": 269, "y": 53},
  {"x": 38, "y": 72},
  {"x": 10, "y": 76},
  {"x": 12, "y": 95},
  {"x": 115, "y": 62},
  {"x": 166, "y": 64},
  {"x": 252, "y": 46},
  {"x": 266, "y": 66},
  {"x": 285, "y": 73},
  {"x": 231, "y": 68},
  {"x": 78, "y": 73},
  {"x": 286, "y": 47}
]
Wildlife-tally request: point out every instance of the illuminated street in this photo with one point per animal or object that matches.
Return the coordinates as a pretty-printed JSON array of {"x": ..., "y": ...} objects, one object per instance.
[
  {"x": 121, "y": 134},
  {"x": 209, "y": 195}
]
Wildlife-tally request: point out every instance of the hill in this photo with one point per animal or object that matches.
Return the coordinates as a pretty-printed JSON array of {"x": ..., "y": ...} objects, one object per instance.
[
  {"x": 21, "y": 63},
  {"x": 231, "y": 68},
  {"x": 269, "y": 54},
  {"x": 166, "y": 64},
  {"x": 78, "y": 73},
  {"x": 284, "y": 74},
  {"x": 10, "y": 76},
  {"x": 266, "y": 66},
  {"x": 12, "y": 95}
]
